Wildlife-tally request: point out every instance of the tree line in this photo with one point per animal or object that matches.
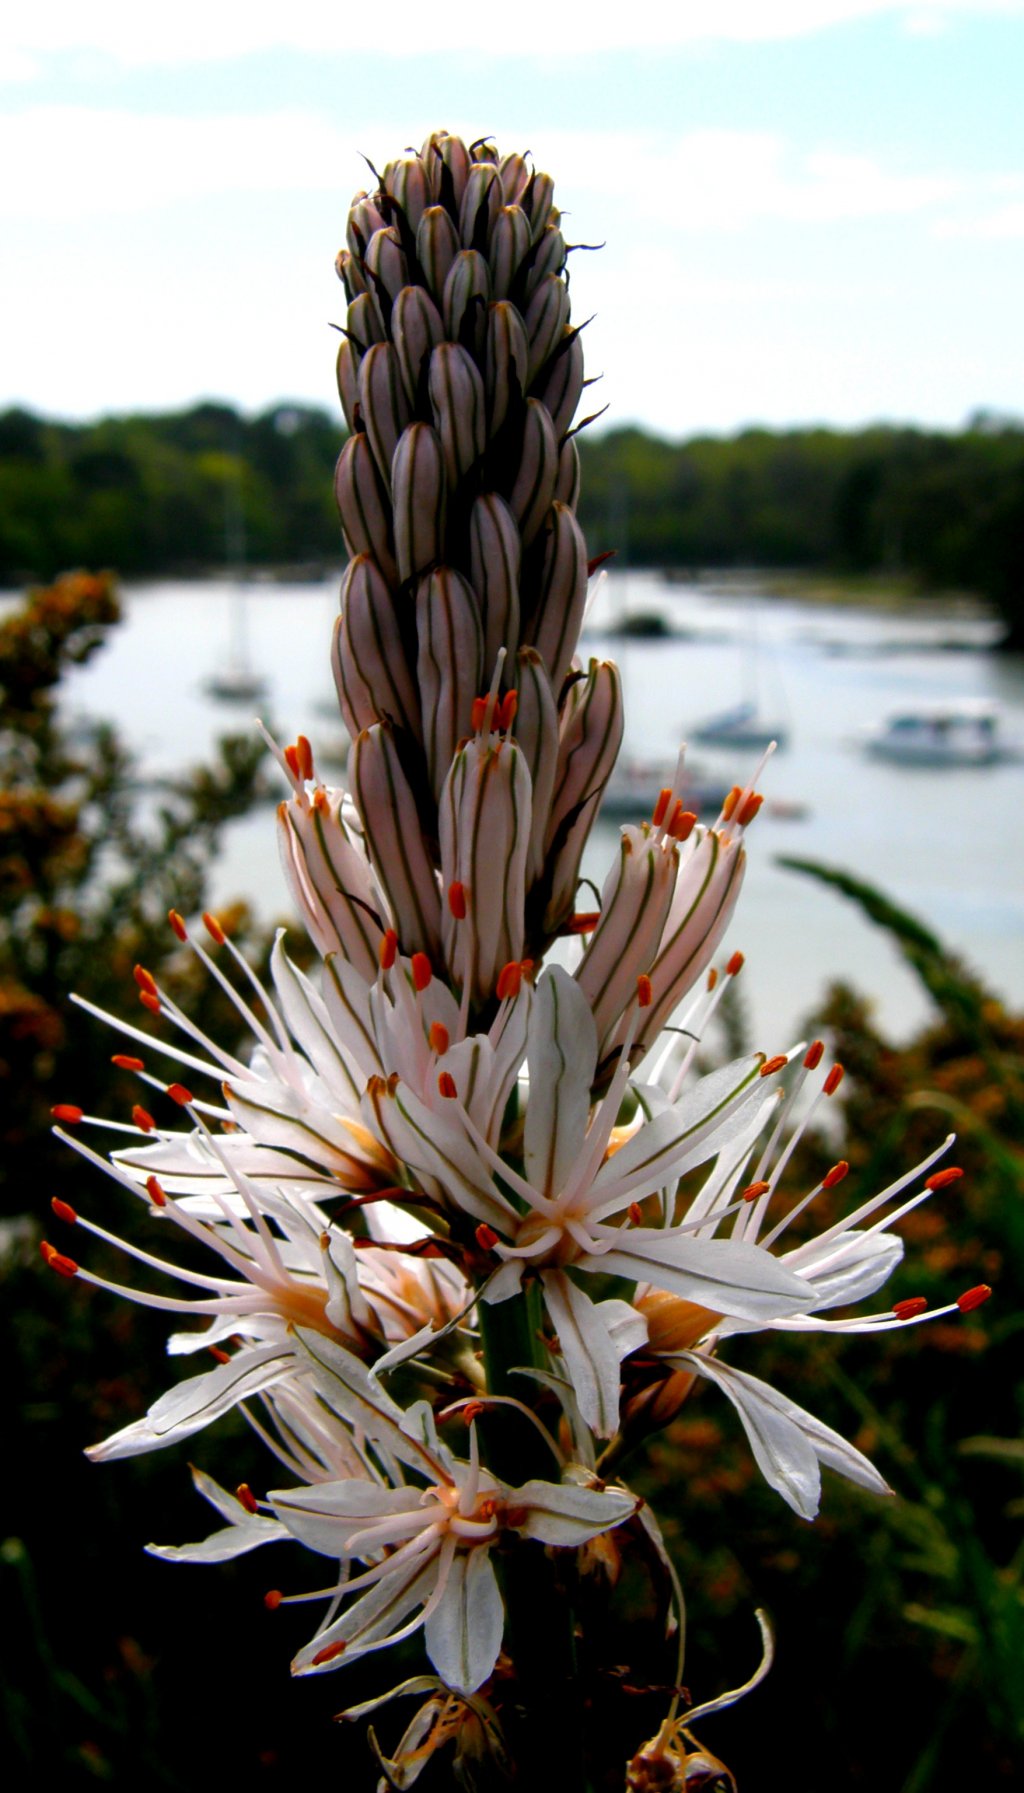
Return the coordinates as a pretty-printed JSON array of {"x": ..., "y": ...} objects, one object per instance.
[{"x": 191, "y": 491}]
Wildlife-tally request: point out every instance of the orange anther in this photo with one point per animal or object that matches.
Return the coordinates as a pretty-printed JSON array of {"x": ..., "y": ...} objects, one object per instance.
[
  {"x": 46, "y": 1250},
  {"x": 833, "y": 1080},
  {"x": 143, "y": 1119},
  {"x": 583, "y": 922},
  {"x": 177, "y": 923},
  {"x": 472, "y": 1410},
  {"x": 478, "y": 714},
  {"x": 125, "y": 1062},
  {"x": 446, "y": 1085},
  {"x": 150, "y": 1000},
  {"x": 683, "y": 823},
  {"x": 439, "y": 1038},
  {"x": 771, "y": 1065},
  {"x": 661, "y": 807},
  {"x": 735, "y": 965},
  {"x": 644, "y": 991},
  {"x": 814, "y": 1055},
  {"x": 321, "y": 801},
  {"x": 750, "y": 809},
  {"x": 272, "y": 1599},
  {"x": 731, "y": 801},
  {"x": 835, "y": 1175},
  {"x": 507, "y": 711},
  {"x": 304, "y": 753},
  {"x": 951, "y": 1174},
  {"x": 509, "y": 979},
  {"x": 213, "y": 928},
  {"x": 57, "y": 1261},
  {"x": 487, "y": 1509},
  {"x": 973, "y": 1297},
  {"x": 145, "y": 979},
  {"x": 178, "y": 1093},
  {"x": 911, "y": 1307},
  {"x": 245, "y": 1495},
  {"x": 486, "y": 1237},
  {"x": 636, "y": 1213},
  {"x": 712, "y": 978},
  {"x": 68, "y": 1112},
  {"x": 457, "y": 899},
  {"x": 217, "y": 1354},
  {"x": 329, "y": 1652},
  {"x": 291, "y": 755},
  {"x": 387, "y": 952},
  {"x": 422, "y": 970},
  {"x": 155, "y": 1192},
  {"x": 63, "y": 1210},
  {"x": 753, "y": 1190}
]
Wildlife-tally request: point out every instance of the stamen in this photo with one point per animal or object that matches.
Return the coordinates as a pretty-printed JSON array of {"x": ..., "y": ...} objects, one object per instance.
[
  {"x": 973, "y": 1298},
  {"x": 771, "y": 1065},
  {"x": 143, "y": 1119},
  {"x": 507, "y": 712},
  {"x": 156, "y": 1193},
  {"x": 125, "y": 1062},
  {"x": 439, "y": 1038},
  {"x": 422, "y": 971},
  {"x": 387, "y": 952},
  {"x": 833, "y": 1080},
  {"x": 150, "y": 1001},
  {"x": 177, "y": 923},
  {"x": 328, "y": 1653},
  {"x": 510, "y": 978},
  {"x": 908, "y": 1309},
  {"x": 68, "y": 1112},
  {"x": 217, "y": 1354},
  {"x": 446, "y": 1085},
  {"x": 178, "y": 1093},
  {"x": 64, "y": 1210},
  {"x": 55, "y": 1260},
  {"x": 735, "y": 965},
  {"x": 644, "y": 991},
  {"x": 835, "y": 1175},
  {"x": 291, "y": 755},
  {"x": 583, "y": 922},
  {"x": 730, "y": 802},
  {"x": 749, "y": 809},
  {"x": 145, "y": 980},
  {"x": 486, "y": 1237},
  {"x": 661, "y": 807},
  {"x": 272, "y": 1599},
  {"x": 245, "y": 1494},
  {"x": 683, "y": 823},
  {"x": 754, "y": 1190},
  {"x": 304, "y": 753},
  {"x": 478, "y": 714},
  {"x": 712, "y": 979},
  {"x": 213, "y": 928},
  {"x": 636, "y": 1213},
  {"x": 814, "y": 1055},
  {"x": 951, "y": 1174},
  {"x": 457, "y": 899}
]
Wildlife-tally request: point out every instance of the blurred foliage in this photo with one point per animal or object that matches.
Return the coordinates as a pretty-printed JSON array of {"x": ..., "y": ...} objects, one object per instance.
[
  {"x": 900, "y": 1624},
  {"x": 932, "y": 510}
]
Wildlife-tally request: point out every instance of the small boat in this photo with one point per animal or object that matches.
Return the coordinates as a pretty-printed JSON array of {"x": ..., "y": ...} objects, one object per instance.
[
  {"x": 236, "y": 680},
  {"x": 963, "y": 733},
  {"x": 742, "y": 726}
]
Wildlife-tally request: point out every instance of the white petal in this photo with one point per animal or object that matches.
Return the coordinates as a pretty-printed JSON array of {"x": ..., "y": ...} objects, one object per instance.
[
  {"x": 562, "y": 1055},
  {"x": 722, "y": 1274},
  {"x": 564, "y": 1514},
  {"x": 463, "y": 1633},
  {"x": 370, "y": 1623},
  {"x": 347, "y": 1387},
  {"x": 591, "y": 1358},
  {"x": 326, "y": 1516},
  {"x": 197, "y": 1401}
]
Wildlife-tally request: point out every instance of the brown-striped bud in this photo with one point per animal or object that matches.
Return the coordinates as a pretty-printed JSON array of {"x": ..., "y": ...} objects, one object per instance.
[
  {"x": 385, "y": 262},
  {"x": 330, "y": 879},
  {"x": 536, "y": 728},
  {"x": 561, "y": 382},
  {"x": 510, "y": 243},
  {"x": 347, "y": 369},
  {"x": 383, "y": 403},
  {"x": 494, "y": 557},
  {"x": 458, "y": 404},
  {"x": 554, "y": 628},
  {"x": 364, "y": 322},
  {"x": 406, "y": 181},
  {"x": 534, "y": 484},
  {"x": 590, "y": 735},
  {"x": 467, "y": 293},
  {"x": 481, "y": 202},
  {"x": 484, "y": 820},
  {"x": 370, "y": 672},
  {"x": 419, "y": 497},
  {"x": 416, "y": 328},
  {"x": 437, "y": 245},
  {"x": 449, "y": 666},
  {"x": 567, "y": 483},
  {"x": 506, "y": 359},
  {"x": 363, "y": 219},
  {"x": 547, "y": 315},
  {"x": 350, "y": 274},
  {"x": 363, "y": 507},
  {"x": 394, "y": 840}
]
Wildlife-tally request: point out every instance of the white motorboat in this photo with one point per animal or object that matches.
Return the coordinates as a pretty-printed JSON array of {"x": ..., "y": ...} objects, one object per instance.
[{"x": 953, "y": 733}]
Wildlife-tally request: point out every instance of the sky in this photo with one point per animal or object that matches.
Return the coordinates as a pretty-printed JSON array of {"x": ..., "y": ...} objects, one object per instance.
[{"x": 812, "y": 211}]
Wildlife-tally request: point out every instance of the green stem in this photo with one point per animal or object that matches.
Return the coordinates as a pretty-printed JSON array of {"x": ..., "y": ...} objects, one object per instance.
[{"x": 547, "y": 1742}]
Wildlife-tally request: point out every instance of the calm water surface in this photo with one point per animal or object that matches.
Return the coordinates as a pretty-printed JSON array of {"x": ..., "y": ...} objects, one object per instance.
[{"x": 946, "y": 844}]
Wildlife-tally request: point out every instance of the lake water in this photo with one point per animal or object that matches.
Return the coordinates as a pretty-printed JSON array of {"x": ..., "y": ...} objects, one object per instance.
[{"x": 947, "y": 845}]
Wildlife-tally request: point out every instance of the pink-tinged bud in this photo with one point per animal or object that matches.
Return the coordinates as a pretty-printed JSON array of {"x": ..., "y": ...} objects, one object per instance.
[
  {"x": 446, "y": 161},
  {"x": 466, "y": 297},
  {"x": 363, "y": 508},
  {"x": 416, "y": 329},
  {"x": 449, "y": 668},
  {"x": 459, "y": 408},
  {"x": 437, "y": 245},
  {"x": 349, "y": 272},
  {"x": 533, "y": 488},
  {"x": 548, "y": 258},
  {"x": 406, "y": 180},
  {"x": 394, "y": 840},
  {"x": 371, "y": 676},
  {"x": 554, "y": 627},
  {"x": 537, "y": 736},
  {"x": 383, "y": 404},
  {"x": 494, "y": 562},
  {"x": 590, "y": 736},
  {"x": 711, "y": 868},
  {"x": 484, "y": 824},
  {"x": 419, "y": 489},
  {"x": 506, "y": 357},
  {"x": 567, "y": 481},
  {"x": 347, "y": 374},
  {"x": 363, "y": 324},
  {"x": 510, "y": 243},
  {"x": 515, "y": 174},
  {"x": 330, "y": 880},
  {"x": 561, "y": 384},
  {"x": 385, "y": 265},
  {"x": 364, "y": 219},
  {"x": 479, "y": 207},
  {"x": 634, "y": 908},
  {"x": 546, "y": 317}
]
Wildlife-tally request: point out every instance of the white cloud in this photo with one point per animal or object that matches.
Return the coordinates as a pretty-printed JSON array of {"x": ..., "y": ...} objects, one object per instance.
[{"x": 194, "y": 31}]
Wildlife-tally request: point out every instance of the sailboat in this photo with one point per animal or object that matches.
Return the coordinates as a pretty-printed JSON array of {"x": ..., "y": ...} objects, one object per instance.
[
  {"x": 236, "y": 679},
  {"x": 743, "y": 725}
]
